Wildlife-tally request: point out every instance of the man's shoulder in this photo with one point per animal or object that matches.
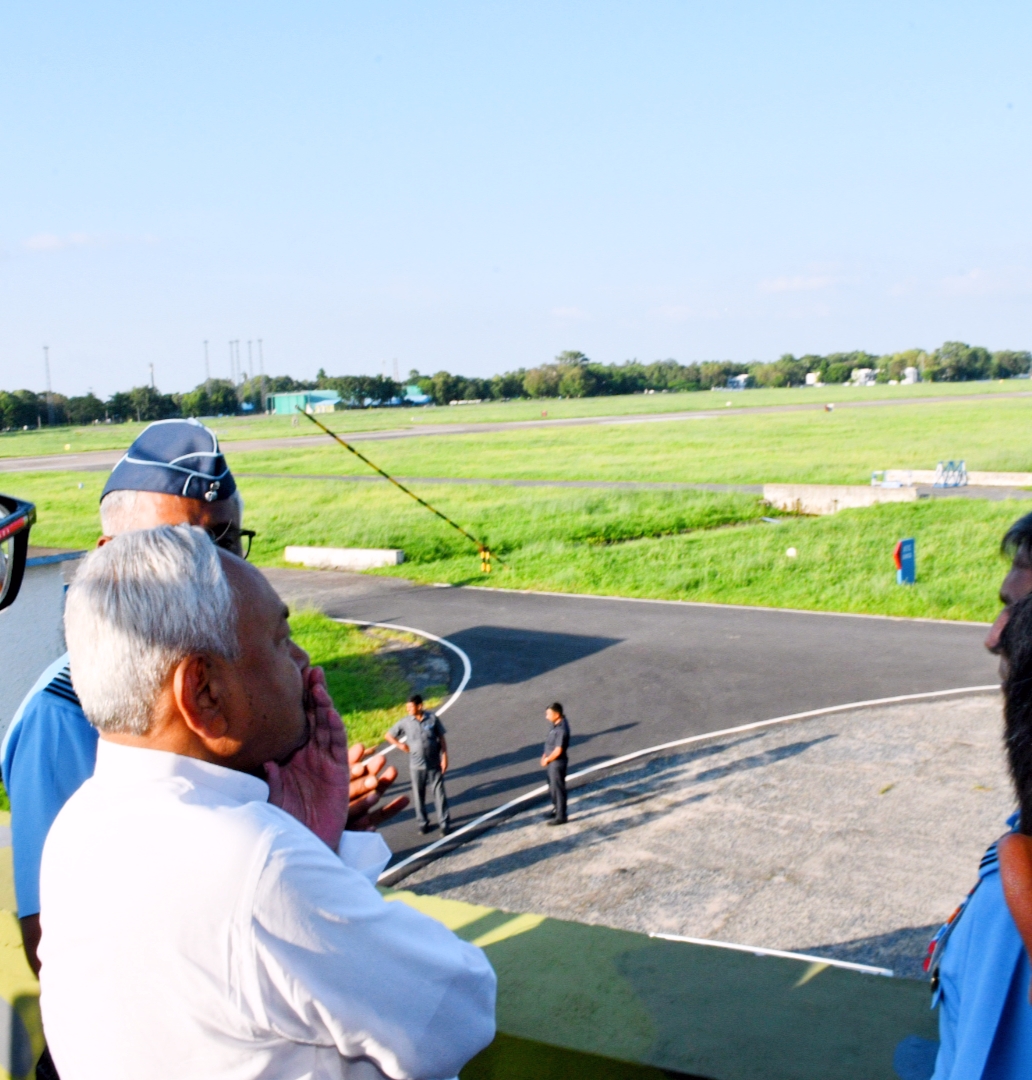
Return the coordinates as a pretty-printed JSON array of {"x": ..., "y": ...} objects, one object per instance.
[{"x": 51, "y": 707}]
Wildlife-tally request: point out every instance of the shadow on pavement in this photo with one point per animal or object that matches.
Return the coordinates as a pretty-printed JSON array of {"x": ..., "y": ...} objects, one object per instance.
[
  {"x": 531, "y": 752},
  {"x": 508, "y": 656}
]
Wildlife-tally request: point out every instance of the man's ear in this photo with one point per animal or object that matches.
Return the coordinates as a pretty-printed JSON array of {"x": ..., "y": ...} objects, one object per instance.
[{"x": 197, "y": 691}]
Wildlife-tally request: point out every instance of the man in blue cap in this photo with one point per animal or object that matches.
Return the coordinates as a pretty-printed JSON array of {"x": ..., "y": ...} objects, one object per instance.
[{"x": 173, "y": 474}]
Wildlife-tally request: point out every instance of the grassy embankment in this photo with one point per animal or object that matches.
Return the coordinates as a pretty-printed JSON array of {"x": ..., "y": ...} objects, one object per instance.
[
  {"x": 119, "y": 436},
  {"x": 368, "y": 687},
  {"x": 684, "y": 545}
]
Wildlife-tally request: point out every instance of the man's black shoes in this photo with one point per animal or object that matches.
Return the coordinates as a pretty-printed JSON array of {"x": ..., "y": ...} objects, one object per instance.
[
  {"x": 425, "y": 828},
  {"x": 445, "y": 829},
  {"x": 556, "y": 821}
]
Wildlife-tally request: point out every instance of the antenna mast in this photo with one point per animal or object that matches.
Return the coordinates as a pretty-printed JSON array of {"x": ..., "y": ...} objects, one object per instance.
[{"x": 50, "y": 400}]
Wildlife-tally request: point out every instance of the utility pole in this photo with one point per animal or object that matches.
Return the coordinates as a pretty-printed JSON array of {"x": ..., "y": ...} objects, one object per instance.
[
  {"x": 207, "y": 369},
  {"x": 261, "y": 369},
  {"x": 232, "y": 373},
  {"x": 50, "y": 400},
  {"x": 152, "y": 386},
  {"x": 250, "y": 362}
]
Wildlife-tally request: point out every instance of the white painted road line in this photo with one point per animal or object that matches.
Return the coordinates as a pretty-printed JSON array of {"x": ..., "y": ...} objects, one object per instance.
[
  {"x": 823, "y": 961},
  {"x": 391, "y": 872},
  {"x": 467, "y": 667}
]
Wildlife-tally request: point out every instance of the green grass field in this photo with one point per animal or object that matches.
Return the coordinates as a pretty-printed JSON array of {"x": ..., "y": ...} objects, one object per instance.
[
  {"x": 119, "y": 436},
  {"x": 661, "y": 545},
  {"x": 805, "y": 447},
  {"x": 368, "y": 687},
  {"x": 686, "y": 545}
]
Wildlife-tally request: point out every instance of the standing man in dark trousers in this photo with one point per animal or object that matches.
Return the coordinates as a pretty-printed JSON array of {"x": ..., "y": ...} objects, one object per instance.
[
  {"x": 424, "y": 742},
  {"x": 554, "y": 760}
]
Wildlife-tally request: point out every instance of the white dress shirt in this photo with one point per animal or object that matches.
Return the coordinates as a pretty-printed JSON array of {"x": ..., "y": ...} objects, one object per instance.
[{"x": 192, "y": 930}]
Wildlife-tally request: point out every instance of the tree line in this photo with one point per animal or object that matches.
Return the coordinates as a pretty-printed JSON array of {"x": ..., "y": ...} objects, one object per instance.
[{"x": 571, "y": 374}]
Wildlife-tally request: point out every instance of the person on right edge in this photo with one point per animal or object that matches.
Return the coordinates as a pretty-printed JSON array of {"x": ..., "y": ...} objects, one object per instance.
[
  {"x": 420, "y": 734},
  {"x": 979, "y": 961},
  {"x": 554, "y": 759}
]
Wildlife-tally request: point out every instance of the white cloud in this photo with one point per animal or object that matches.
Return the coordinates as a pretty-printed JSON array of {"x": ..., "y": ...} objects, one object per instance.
[
  {"x": 799, "y": 283},
  {"x": 53, "y": 242},
  {"x": 683, "y": 312},
  {"x": 1007, "y": 280}
]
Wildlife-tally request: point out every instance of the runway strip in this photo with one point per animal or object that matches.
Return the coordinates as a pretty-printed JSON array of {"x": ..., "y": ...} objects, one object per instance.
[{"x": 415, "y": 861}]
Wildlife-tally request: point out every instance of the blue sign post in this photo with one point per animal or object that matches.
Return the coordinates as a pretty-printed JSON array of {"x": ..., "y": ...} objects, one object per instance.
[{"x": 905, "y": 557}]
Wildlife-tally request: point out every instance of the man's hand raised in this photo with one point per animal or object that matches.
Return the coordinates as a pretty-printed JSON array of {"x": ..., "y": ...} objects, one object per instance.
[
  {"x": 314, "y": 785},
  {"x": 369, "y": 780}
]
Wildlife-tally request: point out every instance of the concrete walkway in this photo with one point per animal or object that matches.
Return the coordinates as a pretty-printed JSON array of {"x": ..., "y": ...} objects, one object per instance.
[{"x": 852, "y": 836}]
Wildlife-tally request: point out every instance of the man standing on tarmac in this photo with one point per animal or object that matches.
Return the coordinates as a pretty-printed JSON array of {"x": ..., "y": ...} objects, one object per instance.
[
  {"x": 554, "y": 759},
  {"x": 420, "y": 734}
]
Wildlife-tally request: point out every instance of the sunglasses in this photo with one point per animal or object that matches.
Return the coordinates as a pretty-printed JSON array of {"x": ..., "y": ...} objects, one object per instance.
[
  {"x": 16, "y": 518},
  {"x": 233, "y": 539}
]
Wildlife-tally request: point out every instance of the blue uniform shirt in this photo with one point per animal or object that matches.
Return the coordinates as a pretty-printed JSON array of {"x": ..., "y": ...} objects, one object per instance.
[
  {"x": 985, "y": 1019},
  {"x": 49, "y": 751}
]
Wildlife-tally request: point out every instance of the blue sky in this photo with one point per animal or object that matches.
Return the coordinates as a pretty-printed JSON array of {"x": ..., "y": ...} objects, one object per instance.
[{"x": 479, "y": 186}]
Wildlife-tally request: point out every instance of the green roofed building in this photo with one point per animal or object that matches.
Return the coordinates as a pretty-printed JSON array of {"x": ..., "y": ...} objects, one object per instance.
[{"x": 310, "y": 401}]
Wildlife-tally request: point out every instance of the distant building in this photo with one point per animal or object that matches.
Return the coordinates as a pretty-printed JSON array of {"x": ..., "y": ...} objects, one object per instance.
[
  {"x": 910, "y": 376},
  {"x": 415, "y": 396},
  {"x": 813, "y": 378},
  {"x": 737, "y": 382},
  {"x": 862, "y": 376},
  {"x": 309, "y": 401}
]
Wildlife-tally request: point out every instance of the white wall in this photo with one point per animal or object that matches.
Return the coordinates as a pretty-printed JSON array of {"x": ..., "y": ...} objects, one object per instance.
[{"x": 31, "y": 633}]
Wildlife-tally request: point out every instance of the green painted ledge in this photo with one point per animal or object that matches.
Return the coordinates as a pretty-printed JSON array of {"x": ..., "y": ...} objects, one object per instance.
[
  {"x": 578, "y": 1002},
  {"x": 587, "y": 1001}
]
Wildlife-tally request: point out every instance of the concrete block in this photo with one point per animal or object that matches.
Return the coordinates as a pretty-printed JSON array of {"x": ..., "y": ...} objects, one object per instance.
[
  {"x": 327, "y": 558},
  {"x": 829, "y": 498}
]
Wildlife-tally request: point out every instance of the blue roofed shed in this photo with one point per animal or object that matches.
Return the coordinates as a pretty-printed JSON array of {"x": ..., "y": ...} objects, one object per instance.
[{"x": 310, "y": 401}]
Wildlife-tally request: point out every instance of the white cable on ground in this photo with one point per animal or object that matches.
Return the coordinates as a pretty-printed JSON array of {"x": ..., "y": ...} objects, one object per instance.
[{"x": 391, "y": 872}]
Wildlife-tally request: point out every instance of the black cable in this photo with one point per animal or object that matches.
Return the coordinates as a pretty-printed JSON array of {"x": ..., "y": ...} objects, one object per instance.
[{"x": 485, "y": 553}]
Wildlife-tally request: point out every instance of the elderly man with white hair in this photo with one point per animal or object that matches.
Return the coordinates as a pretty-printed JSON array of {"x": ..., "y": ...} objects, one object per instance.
[{"x": 192, "y": 928}]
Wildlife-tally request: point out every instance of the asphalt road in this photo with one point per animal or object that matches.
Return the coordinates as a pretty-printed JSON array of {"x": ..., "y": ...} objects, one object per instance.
[
  {"x": 104, "y": 459},
  {"x": 632, "y": 674}
]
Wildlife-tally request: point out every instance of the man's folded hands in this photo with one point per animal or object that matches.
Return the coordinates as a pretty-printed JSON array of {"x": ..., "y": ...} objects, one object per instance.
[{"x": 325, "y": 785}]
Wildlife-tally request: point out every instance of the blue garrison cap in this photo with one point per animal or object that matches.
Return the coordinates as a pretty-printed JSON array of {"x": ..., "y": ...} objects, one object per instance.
[{"x": 174, "y": 457}]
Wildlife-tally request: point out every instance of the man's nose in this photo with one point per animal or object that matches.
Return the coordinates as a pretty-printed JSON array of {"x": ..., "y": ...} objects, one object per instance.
[
  {"x": 301, "y": 658},
  {"x": 992, "y": 639}
]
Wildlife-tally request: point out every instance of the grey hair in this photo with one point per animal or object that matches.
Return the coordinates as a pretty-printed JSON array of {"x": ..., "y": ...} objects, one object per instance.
[
  {"x": 138, "y": 606},
  {"x": 118, "y": 510}
]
